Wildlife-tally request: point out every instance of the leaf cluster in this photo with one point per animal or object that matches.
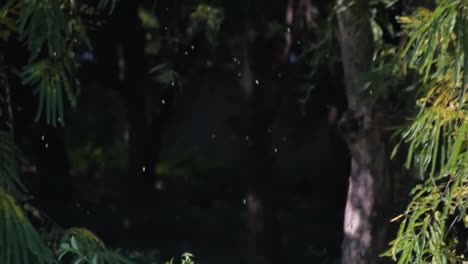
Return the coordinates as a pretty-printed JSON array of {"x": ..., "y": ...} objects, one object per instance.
[{"x": 436, "y": 55}]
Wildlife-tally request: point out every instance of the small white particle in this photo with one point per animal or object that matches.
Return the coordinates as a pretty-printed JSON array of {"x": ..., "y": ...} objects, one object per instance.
[
  {"x": 42, "y": 138},
  {"x": 213, "y": 136},
  {"x": 172, "y": 83},
  {"x": 239, "y": 74},
  {"x": 244, "y": 201},
  {"x": 298, "y": 43},
  {"x": 284, "y": 138},
  {"x": 257, "y": 82},
  {"x": 55, "y": 53},
  {"x": 162, "y": 101},
  {"x": 186, "y": 53},
  {"x": 143, "y": 169},
  {"x": 235, "y": 59},
  {"x": 165, "y": 28},
  {"x": 269, "y": 130},
  {"x": 192, "y": 47},
  {"x": 276, "y": 150},
  {"x": 46, "y": 145},
  {"x": 289, "y": 29},
  {"x": 246, "y": 137}
]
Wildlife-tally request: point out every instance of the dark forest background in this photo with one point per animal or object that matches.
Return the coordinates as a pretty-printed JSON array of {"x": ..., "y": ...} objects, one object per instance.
[{"x": 202, "y": 126}]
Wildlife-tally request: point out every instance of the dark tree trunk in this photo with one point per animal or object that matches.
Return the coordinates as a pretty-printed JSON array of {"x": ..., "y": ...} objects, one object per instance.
[
  {"x": 146, "y": 128},
  {"x": 366, "y": 221},
  {"x": 264, "y": 239},
  {"x": 264, "y": 64}
]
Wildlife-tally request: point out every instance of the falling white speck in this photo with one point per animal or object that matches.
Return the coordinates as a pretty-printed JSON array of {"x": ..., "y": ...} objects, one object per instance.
[
  {"x": 213, "y": 136},
  {"x": 269, "y": 130},
  {"x": 165, "y": 28},
  {"x": 60, "y": 120},
  {"x": 284, "y": 139},
  {"x": 46, "y": 145},
  {"x": 19, "y": 108},
  {"x": 298, "y": 43},
  {"x": 143, "y": 169},
  {"x": 246, "y": 137},
  {"x": 244, "y": 201},
  {"x": 186, "y": 53},
  {"x": 289, "y": 29},
  {"x": 42, "y": 138},
  {"x": 172, "y": 83},
  {"x": 192, "y": 47},
  {"x": 235, "y": 59},
  {"x": 55, "y": 53},
  {"x": 239, "y": 74},
  {"x": 276, "y": 150},
  {"x": 257, "y": 82},
  {"x": 162, "y": 101}
]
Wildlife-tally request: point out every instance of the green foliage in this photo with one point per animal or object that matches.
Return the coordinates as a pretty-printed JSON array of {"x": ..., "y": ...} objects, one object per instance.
[
  {"x": 186, "y": 259},
  {"x": 51, "y": 31},
  {"x": 19, "y": 241},
  {"x": 53, "y": 79},
  {"x": 79, "y": 245},
  {"x": 107, "y": 4},
  {"x": 89, "y": 158},
  {"x": 166, "y": 76},
  {"x": 154, "y": 258},
  {"x": 435, "y": 55},
  {"x": 9, "y": 178},
  {"x": 210, "y": 17},
  {"x": 34, "y": 26}
]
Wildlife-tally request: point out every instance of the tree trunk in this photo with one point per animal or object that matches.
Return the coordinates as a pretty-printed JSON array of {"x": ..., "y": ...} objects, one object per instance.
[
  {"x": 362, "y": 127},
  {"x": 263, "y": 84},
  {"x": 146, "y": 129},
  {"x": 263, "y": 242}
]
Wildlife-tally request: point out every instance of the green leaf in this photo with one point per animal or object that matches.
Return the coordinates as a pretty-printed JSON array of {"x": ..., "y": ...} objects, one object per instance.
[{"x": 74, "y": 243}]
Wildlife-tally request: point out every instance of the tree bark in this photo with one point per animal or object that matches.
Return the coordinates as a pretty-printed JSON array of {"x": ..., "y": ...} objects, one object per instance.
[{"x": 362, "y": 127}]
